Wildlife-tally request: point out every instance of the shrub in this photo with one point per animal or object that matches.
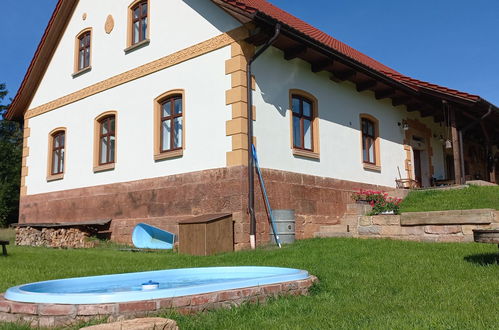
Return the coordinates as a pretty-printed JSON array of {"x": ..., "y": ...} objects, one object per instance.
[{"x": 379, "y": 201}]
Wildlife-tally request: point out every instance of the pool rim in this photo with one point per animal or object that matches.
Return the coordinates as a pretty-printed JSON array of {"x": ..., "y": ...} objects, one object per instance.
[{"x": 283, "y": 274}]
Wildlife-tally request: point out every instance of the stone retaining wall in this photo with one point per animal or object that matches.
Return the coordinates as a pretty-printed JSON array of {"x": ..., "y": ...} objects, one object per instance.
[
  {"x": 51, "y": 315},
  {"x": 439, "y": 226}
]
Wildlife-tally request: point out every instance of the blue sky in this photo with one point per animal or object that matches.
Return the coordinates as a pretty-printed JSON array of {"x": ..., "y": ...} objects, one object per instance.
[{"x": 454, "y": 43}]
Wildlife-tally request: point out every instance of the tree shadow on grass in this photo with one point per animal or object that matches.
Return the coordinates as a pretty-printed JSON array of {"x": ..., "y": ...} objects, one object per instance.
[{"x": 483, "y": 259}]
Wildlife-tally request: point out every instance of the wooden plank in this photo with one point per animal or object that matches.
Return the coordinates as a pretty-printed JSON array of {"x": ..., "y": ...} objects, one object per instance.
[
  {"x": 205, "y": 218},
  {"x": 63, "y": 224}
]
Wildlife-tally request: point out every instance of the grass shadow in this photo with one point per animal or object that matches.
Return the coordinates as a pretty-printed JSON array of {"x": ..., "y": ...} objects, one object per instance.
[{"x": 483, "y": 259}]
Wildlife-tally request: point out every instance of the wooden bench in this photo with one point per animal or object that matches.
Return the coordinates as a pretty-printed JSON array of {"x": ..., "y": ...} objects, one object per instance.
[{"x": 4, "y": 247}]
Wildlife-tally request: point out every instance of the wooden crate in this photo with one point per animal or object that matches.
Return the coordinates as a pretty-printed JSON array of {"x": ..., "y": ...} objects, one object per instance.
[{"x": 207, "y": 234}]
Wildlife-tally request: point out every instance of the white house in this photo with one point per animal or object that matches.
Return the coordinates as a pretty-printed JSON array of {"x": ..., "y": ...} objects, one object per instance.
[{"x": 138, "y": 112}]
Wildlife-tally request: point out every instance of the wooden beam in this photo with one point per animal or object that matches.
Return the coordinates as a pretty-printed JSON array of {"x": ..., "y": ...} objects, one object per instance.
[
  {"x": 366, "y": 85},
  {"x": 343, "y": 75},
  {"x": 455, "y": 147},
  {"x": 294, "y": 52},
  {"x": 320, "y": 66},
  {"x": 396, "y": 101},
  {"x": 383, "y": 94}
]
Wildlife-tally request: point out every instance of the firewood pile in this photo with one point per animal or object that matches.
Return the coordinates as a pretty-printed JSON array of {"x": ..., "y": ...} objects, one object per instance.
[{"x": 53, "y": 237}]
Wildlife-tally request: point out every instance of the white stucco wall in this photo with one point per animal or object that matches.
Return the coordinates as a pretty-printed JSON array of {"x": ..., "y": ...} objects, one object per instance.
[
  {"x": 174, "y": 25},
  {"x": 206, "y": 143},
  {"x": 340, "y": 106}
]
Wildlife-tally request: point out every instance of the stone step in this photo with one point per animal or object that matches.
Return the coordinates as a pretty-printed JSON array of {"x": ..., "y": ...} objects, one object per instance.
[{"x": 330, "y": 234}]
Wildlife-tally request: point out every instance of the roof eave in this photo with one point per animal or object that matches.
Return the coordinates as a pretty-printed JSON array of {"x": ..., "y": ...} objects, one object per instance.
[{"x": 41, "y": 59}]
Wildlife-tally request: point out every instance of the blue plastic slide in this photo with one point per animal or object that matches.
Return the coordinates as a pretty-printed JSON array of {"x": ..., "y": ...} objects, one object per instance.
[{"x": 145, "y": 236}]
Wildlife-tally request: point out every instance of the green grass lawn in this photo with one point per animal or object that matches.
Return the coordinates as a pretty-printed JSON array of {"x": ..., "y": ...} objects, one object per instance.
[
  {"x": 375, "y": 284},
  {"x": 472, "y": 197}
]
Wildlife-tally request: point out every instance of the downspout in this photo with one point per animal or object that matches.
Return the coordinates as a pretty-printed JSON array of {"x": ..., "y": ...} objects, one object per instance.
[
  {"x": 461, "y": 132},
  {"x": 251, "y": 171}
]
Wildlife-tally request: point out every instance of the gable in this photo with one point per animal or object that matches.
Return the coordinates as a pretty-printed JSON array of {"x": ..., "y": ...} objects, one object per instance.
[{"x": 173, "y": 25}]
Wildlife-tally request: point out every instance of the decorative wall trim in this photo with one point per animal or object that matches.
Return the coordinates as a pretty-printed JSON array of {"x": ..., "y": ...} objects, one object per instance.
[
  {"x": 25, "y": 154},
  {"x": 109, "y": 25},
  {"x": 237, "y": 97},
  {"x": 183, "y": 55}
]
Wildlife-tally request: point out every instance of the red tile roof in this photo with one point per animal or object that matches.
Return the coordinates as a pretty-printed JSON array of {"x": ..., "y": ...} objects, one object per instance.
[{"x": 266, "y": 8}]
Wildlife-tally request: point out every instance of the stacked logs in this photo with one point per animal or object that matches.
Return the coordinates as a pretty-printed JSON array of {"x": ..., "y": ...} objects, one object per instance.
[{"x": 53, "y": 237}]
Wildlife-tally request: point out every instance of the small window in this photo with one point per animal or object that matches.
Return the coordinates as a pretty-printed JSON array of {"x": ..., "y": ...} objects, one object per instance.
[
  {"x": 56, "y": 154},
  {"x": 304, "y": 124},
  {"x": 139, "y": 22},
  {"x": 169, "y": 125},
  {"x": 83, "y": 51},
  {"x": 370, "y": 142},
  {"x": 105, "y": 141},
  {"x": 58, "y": 141}
]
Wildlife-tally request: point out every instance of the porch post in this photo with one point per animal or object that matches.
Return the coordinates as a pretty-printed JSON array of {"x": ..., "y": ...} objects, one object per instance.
[{"x": 455, "y": 147}]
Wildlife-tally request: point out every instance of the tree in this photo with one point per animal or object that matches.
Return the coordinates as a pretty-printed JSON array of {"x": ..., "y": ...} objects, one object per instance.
[{"x": 11, "y": 139}]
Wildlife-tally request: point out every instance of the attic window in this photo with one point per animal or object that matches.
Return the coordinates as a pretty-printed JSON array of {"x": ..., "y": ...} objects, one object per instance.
[
  {"x": 83, "y": 51},
  {"x": 139, "y": 22}
]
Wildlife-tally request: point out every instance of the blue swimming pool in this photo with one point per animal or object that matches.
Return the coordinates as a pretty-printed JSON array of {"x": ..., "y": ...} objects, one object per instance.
[{"x": 150, "y": 285}]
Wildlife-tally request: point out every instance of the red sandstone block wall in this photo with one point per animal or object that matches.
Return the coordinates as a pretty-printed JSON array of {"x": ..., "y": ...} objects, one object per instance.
[{"x": 164, "y": 201}]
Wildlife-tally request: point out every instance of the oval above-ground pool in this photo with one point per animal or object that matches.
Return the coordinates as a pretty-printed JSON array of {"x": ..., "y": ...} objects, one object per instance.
[{"x": 150, "y": 285}]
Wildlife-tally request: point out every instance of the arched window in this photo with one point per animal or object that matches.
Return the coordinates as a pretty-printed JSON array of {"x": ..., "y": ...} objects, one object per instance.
[
  {"x": 169, "y": 124},
  {"x": 105, "y": 141},
  {"x": 57, "y": 152},
  {"x": 83, "y": 50},
  {"x": 304, "y": 124},
  {"x": 370, "y": 142},
  {"x": 138, "y": 22}
]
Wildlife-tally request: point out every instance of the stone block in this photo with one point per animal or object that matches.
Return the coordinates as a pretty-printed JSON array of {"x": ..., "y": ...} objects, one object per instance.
[
  {"x": 369, "y": 230},
  {"x": 229, "y": 295},
  {"x": 442, "y": 230},
  {"x": 386, "y": 220},
  {"x": 56, "y": 310},
  {"x": 452, "y": 217},
  {"x": 365, "y": 220},
  {"x": 23, "y": 308},
  {"x": 272, "y": 289},
  {"x": 204, "y": 299},
  {"x": 181, "y": 301},
  {"x": 98, "y": 309},
  {"x": 249, "y": 292},
  {"x": 137, "y": 306},
  {"x": 391, "y": 231},
  {"x": 148, "y": 323},
  {"x": 4, "y": 306}
]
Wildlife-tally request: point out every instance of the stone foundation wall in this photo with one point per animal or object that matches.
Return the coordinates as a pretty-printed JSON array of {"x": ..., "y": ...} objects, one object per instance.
[
  {"x": 52, "y": 315},
  {"x": 164, "y": 201}
]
